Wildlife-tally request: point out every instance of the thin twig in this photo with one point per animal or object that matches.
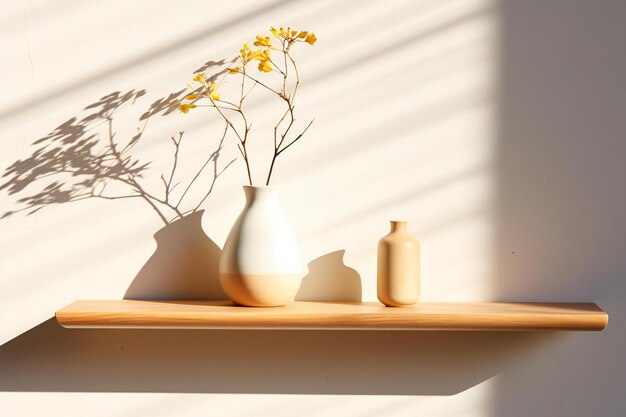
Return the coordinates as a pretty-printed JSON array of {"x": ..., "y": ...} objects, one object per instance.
[
  {"x": 296, "y": 139},
  {"x": 242, "y": 142},
  {"x": 250, "y": 90},
  {"x": 289, "y": 100},
  {"x": 214, "y": 155},
  {"x": 216, "y": 175},
  {"x": 262, "y": 84}
]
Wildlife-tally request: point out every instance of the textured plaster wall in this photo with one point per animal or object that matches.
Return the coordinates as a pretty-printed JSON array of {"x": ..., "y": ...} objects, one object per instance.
[{"x": 496, "y": 128}]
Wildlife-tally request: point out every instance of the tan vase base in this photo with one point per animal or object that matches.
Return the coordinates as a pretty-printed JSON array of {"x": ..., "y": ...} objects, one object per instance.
[
  {"x": 253, "y": 290},
  {"x": 393, "y": 303}
]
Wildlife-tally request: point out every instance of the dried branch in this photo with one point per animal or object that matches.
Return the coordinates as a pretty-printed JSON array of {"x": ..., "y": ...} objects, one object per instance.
[
  {"x": 283, "y": 129},
  {"x": 213, "y": 157}
]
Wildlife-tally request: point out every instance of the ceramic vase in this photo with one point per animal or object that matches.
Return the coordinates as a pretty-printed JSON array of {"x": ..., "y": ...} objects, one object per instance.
[
  {"x": 398, "y": 267},
  {"x": 261, "y": 265}
]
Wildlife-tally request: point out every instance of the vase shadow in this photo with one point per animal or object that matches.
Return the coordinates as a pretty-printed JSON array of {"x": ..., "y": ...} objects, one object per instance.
[
  {"x": 329, "y": 279},
  {"x": 185, "y": 265}
]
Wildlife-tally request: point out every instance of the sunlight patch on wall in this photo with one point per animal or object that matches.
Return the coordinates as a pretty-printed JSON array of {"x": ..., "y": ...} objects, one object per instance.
[{"x": 408, "y": 133}]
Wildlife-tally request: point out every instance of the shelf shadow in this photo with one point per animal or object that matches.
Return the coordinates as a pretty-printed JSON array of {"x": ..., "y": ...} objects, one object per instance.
[{"x": 50, "y": 358}]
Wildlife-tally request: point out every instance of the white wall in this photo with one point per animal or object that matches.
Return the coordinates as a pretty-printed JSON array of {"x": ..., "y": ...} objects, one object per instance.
[{"x": 495, "y": 128}]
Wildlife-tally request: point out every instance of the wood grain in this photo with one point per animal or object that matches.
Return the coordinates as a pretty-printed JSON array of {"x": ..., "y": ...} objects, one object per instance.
[{"x": 319, "y": 315}]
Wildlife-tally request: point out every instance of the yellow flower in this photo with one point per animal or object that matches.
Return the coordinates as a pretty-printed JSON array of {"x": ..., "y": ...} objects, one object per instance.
[
  {"x": 292, "y": 36},
  {"x": 212, "y": 93},
  {"x": 244, "y": 51},
  {"x": 191, "y": 96},
  {"x": 264, "y": 66},
  {"x": 262, "y": 41},
  {"x": 248, "y": 55},
  {"x": 199, "y": 78},
  {"x": 263, "y": 55},
  {"x": 186, "y": 107},
  {"x": 255, "y": 55},
  {"x": 311, "y": 39},
  {"x": 234, "y": 70}
]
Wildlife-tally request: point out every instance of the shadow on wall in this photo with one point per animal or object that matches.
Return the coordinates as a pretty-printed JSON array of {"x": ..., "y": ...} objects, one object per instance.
[
  {"x": 185, "y": 265},
  {"x": 330, "y": 280},
  {"x": 53, "y": 359},
  {"x": 560, "y": 231},
  {"x": 85, "y": 158}
]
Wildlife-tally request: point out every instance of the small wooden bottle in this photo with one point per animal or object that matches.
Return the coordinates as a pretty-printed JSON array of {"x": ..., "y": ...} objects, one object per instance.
[{"x": 398, "y": 267}]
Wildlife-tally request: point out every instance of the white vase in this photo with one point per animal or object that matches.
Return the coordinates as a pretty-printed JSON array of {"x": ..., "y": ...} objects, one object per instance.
[{"x": 261, "y": 264}]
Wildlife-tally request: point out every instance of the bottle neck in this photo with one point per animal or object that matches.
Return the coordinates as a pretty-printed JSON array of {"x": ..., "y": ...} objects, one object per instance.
[{"x": 398, "y": 226}]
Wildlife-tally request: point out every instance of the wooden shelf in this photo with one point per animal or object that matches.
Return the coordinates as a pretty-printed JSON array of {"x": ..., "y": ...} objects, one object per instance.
[{"x": 332, "y": 315}]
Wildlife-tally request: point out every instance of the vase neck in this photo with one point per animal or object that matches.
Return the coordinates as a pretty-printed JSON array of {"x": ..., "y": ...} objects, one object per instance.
[
  {"x": 260, "y": 194},
  {"x": 398, "y": 226}
]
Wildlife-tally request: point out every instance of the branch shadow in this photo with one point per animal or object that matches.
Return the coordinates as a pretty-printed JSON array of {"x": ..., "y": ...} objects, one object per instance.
[
  {"x": 85, "y": 158},
  {"x": 73, "y": 158}
]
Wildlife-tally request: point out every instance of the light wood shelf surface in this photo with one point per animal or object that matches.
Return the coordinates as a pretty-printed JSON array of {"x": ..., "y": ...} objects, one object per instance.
[{"x": 332, "y": 315}]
